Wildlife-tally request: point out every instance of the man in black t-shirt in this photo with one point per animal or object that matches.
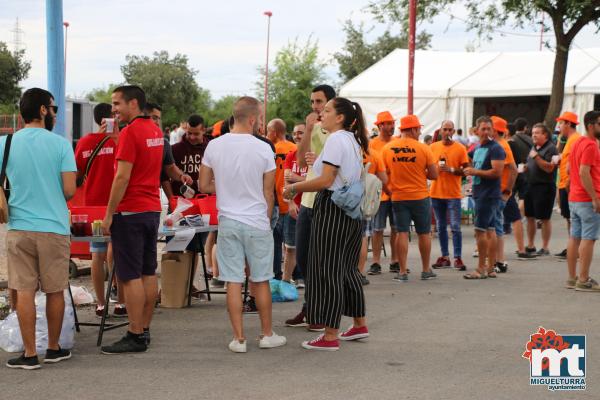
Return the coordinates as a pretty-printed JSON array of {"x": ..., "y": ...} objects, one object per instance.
[{"x": 541, "y": 195}]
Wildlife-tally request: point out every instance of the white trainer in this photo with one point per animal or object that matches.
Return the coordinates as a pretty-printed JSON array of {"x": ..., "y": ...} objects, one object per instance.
[
  {"x": 238, "y": 347},
  {"x": 269, "y": 342}
]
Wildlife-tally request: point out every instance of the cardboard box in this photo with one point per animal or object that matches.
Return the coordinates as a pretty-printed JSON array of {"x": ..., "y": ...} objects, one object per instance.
[{"x": 175, "y": 279}]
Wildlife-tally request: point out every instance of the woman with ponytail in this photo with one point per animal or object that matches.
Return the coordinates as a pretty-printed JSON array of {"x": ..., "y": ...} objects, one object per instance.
[{"x": 333, "y": 283}]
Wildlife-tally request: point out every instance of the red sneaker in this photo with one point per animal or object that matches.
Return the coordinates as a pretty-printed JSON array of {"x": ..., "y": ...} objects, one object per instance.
[
  {"x": 442, "y": 262},
  {"x": 321, "y": 344},
  {"x": 355, "y": 333},
  {"x": 459, "y": 265}
]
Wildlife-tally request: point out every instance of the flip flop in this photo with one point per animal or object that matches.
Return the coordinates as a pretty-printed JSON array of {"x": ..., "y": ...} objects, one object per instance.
[{"x": 475, "y": 275}]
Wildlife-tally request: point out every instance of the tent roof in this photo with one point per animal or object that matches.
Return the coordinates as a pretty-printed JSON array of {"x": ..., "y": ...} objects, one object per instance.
[{"x": 442, "y": 74}]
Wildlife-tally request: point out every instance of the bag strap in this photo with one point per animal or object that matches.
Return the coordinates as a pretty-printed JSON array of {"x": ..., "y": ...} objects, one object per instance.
[
  {"x": 93, "y": 156},
  {"x": 5, "y": 159}
]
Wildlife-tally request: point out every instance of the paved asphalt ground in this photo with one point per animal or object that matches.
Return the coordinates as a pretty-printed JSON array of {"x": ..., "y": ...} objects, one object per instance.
[{"x": 447, "y": 338}]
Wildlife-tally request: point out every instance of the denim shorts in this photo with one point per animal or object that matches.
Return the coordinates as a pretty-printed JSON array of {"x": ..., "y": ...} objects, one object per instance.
[
  {"x": 418, "y": 211},
  {"x": 239, "y": 242},
  {"x": 98, "y": 247},
  {"x": 289, "y": 231},
  {"x": 485, "y": 214},
  {"x": 380, "y": 219},
  {"x": 585, "y": 222},
  {"x": 499, "y": 218}
]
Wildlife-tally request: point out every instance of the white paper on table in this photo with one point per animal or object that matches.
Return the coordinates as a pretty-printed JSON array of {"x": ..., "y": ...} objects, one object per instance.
[{"x": 181, "y": 240}]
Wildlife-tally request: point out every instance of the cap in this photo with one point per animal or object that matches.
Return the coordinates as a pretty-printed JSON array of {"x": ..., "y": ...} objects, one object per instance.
[
  {"x": 409, "y": 121},
  {"x": 384, "y": 116},
  {"x": 569, "y": 117},
  {"x": 217, "y": 128},
  {"x": 499, "y": 124}
]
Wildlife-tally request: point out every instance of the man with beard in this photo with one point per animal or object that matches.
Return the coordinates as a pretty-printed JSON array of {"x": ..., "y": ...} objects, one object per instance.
[
  {"x": 241, "y": 171},
  {"x": 41, "y": 167},
  {"x": 133, "y": 214}
]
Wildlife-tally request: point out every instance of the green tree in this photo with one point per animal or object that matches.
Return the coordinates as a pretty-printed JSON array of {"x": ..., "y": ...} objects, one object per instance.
[
  {"x": 357, "y": 54},
  {"x": 566, "y": 17},
  {"x": 297, "y": 69},
  {"x": 101, "y": 95},
  {"x": 13, "y": 69},
  {"x": 220, "y": 109},
  {"x": 167, "y": 81}
]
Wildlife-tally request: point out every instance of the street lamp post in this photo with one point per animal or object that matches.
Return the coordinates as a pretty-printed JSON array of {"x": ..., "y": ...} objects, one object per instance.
[
  {"x": 269, "y": 14},
  {"x": 412, "y": 17}
]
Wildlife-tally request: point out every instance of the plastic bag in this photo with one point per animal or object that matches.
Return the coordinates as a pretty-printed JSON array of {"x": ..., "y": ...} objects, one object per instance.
[
  {"x": 81, "y": 295},
  {"x": 10, "y": 333},
  {"x": 282, "y": 291},
  {"x": 173, "y": 219}
]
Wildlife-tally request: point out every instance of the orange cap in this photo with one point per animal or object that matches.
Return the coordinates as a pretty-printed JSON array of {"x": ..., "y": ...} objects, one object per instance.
[
  {"x": 384, "y": 116},
  {"x": 499, "y": 124},
  {"x": 409, "y": 121},
  {"x": 217, "y": 128},
  {"x": 569, "y": 117}
]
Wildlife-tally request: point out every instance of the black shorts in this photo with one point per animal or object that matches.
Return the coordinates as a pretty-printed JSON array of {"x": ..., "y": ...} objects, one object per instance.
[
  {"x": 134, "y": 240},
  {"x": 539, "y": 201},
  {"x": 511, "y": 210},
  {"x": 563, "y": 196},
  {"x": 520, "y": 188}
]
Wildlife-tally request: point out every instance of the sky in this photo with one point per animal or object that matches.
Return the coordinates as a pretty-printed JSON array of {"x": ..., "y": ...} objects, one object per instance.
[{"x": 225, "y": 40}]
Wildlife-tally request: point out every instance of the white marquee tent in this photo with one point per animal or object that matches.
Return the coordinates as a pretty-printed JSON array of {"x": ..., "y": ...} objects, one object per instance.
[{"x": 447, "y": 83}]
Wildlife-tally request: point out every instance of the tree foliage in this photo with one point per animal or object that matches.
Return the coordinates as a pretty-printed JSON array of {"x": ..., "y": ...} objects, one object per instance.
[
  {"x": 101, "y": 95},
  {"x": 566, "y": 18},
  {"x": 357, "y": 54},
  {"x": 297, "y": 70},
  {"x": 13, "y": 69},
  {"x": 167, "y": 81}
]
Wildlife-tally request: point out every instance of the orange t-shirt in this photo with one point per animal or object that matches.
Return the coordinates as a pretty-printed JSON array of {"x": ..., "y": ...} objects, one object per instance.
[
  {"x": 282, "y": 148},
  {"x": 564, "y": 160},
  {"x": 374, "y": 157},
  {"x": 447, "y": 185},
  {"x": 377, "y": 144},
  {"x": 406, "y": 162},
  {"x": 507, "y": 161}
]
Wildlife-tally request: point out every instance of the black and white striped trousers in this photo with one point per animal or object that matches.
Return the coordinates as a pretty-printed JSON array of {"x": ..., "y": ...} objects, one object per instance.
[{"x": 333, "y": 284}]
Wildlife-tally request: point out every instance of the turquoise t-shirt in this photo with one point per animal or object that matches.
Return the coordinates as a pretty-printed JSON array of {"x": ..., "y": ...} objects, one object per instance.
[{"x": 36, "y": 160}]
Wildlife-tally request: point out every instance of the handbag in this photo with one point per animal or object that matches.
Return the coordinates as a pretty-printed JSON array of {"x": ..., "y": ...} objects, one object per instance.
[
  {"x": 81, "y": 180},
  {"x": 4, "y": 190},
  {"x": 349, "y": 197}
]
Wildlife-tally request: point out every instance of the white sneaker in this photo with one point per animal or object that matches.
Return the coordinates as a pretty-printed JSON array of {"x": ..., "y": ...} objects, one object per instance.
[
  {"x": 269, "y": 342},
  {"x": 237, "y": 347}
]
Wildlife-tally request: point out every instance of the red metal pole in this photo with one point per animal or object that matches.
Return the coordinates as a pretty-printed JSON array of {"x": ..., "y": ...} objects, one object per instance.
[
  {"x": 412, "y": 21},
  {"x": 268, "y": 14}
]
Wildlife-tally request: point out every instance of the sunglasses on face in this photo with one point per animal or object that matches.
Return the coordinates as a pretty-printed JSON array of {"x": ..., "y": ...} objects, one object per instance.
[{"x": 53, "y": 108}]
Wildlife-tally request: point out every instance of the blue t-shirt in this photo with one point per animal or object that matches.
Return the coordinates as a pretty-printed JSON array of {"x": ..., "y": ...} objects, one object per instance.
[
  {"x": 482, "y": 159},
  {"x": 36, "y": 160}
]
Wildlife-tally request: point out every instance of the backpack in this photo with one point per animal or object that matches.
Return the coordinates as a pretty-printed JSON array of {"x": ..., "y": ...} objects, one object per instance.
[{"x": 369, "y": 204}]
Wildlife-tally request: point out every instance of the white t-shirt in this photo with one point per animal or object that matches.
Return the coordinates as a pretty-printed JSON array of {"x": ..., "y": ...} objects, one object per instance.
[
  {"x": 341, "y": 150},
  {"x": 239, "y": 162}
]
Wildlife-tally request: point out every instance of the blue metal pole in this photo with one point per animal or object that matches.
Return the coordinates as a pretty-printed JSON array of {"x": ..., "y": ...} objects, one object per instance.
[{"x": 56, "y": 60}]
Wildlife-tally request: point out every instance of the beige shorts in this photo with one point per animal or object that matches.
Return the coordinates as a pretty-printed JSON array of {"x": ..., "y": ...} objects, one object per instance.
[{"x": 38, "y": 259}]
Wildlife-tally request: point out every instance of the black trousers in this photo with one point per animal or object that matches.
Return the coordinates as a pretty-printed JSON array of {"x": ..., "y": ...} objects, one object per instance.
[{"x": 333, "y": 283}]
